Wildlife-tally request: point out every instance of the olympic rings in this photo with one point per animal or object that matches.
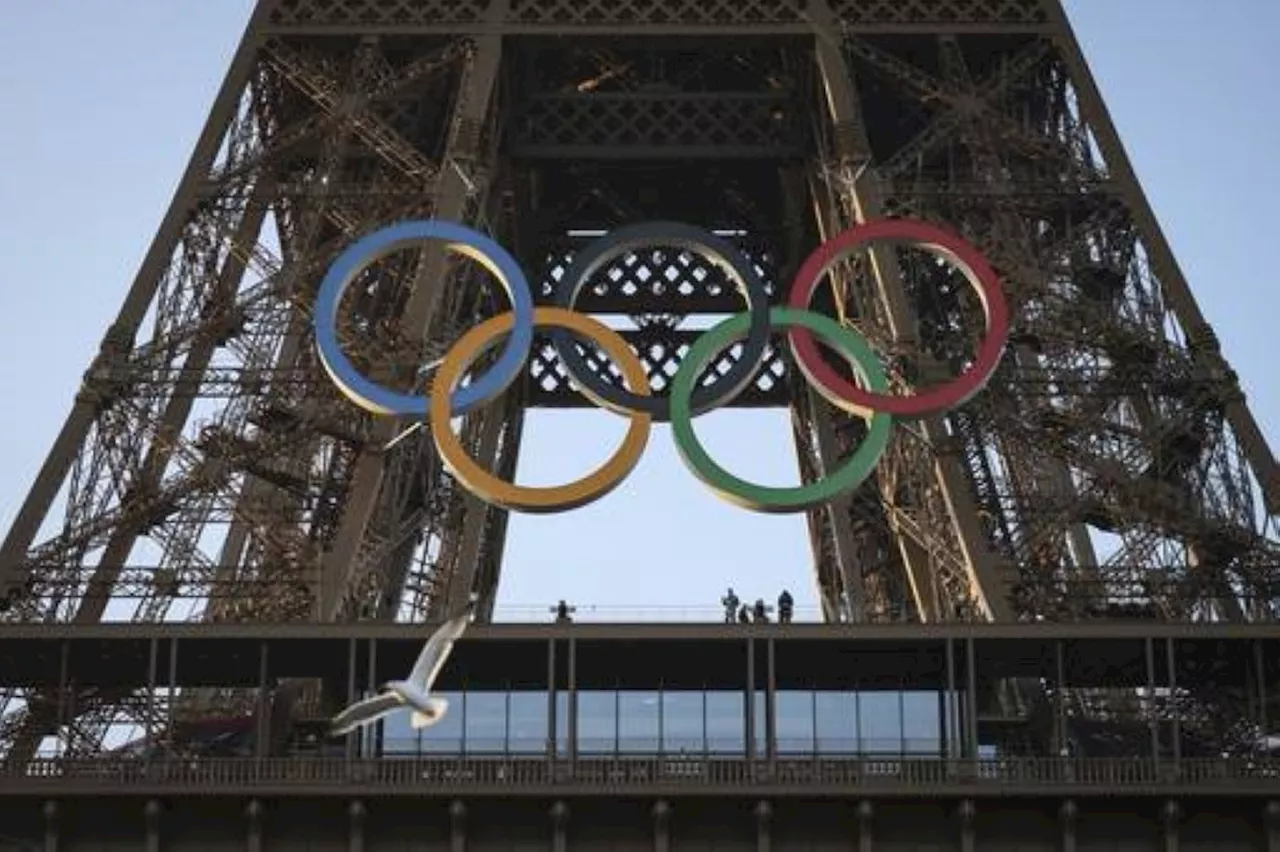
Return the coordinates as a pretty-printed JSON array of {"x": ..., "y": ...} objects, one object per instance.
[
  {"x": 868, "y": 397},
  {"x": 739, "y": 269},
  {"x": 364, "y": 252},
  {"x": 960, "y": 254},
  {"x": 852, "y": 471},
  {"x": 519, "y": 498}
]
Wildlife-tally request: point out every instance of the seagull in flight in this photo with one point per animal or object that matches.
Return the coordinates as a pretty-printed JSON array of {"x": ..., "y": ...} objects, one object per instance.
[{"x": 415, "y": 690}]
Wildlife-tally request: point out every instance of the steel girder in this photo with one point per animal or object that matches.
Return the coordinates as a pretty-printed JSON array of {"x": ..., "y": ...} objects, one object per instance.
[{"x": 207, "y": 461}]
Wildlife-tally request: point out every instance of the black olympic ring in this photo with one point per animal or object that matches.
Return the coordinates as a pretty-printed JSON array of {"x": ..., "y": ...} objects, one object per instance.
[{"x": 736, "y": 266}]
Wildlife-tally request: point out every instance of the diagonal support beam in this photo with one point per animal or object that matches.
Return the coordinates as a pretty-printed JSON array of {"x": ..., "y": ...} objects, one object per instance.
[
  {"x": 1177, "y": 290},
  {"x": 373, "y": 131},
  {"x": 453, "y": 194},
  {"x": 988, "y": 578}
]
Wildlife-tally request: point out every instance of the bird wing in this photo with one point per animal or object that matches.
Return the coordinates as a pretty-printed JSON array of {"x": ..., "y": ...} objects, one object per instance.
[
  {"x": 365, "y": 711},
  {"x": 438, "y": 648}
]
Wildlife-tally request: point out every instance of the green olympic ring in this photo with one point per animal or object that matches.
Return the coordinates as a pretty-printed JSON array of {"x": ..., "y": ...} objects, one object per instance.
[{"x": 851, "y": 473}]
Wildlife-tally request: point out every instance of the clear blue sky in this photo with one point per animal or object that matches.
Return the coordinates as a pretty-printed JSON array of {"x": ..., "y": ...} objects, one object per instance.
[{"x": 103, "y": 102}]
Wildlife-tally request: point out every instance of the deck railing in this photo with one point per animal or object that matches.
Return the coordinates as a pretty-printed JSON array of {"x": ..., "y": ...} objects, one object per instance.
[
  {"x": 637, "y": 614},
  {"x": 616, "y": 775}
]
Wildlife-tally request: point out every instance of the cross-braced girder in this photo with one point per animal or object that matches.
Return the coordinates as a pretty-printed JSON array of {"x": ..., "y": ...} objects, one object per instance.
[
  {"x": 1099, "y": 346},
  {"x": 231, "y": 510},
  {"x": 211, "y": 471}
]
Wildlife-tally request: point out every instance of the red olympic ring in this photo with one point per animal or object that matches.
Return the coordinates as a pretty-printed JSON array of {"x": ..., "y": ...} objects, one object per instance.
[{"x": 935, "y": 240}]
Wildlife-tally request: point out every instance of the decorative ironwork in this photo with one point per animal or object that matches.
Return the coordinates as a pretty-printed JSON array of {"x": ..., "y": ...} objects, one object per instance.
[
  {"x": 638, "y": 127},
  {"x": 1111, "y": 470},
  {"x": 559, "y": 14}
]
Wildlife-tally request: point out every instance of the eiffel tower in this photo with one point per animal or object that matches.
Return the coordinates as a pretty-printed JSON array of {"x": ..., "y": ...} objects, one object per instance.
[{"x": 1111, "y": 471}]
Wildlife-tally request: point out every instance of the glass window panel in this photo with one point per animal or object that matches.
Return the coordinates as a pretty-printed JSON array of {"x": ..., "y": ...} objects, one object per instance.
[
  {"x": 597, "y": 722},
  {"x": 726, "y": 722},
  {"x": 793, "y": 721},
  {"x": 637, "y": 721},
  {"x": 682, "y": 722},
  {"x": 562, "y": 722},
  {"x": 761, "y": 722},
  {"x": 528, "y": 715},
  {"x": 398, "y": 736},
  {"x": 836, "y": 726},
  {"x": 880, "y": 722},
  {"x": 445, "y": 736},
  {"x": 921, "y": 722},
  {"x": 486, "y": 721}
]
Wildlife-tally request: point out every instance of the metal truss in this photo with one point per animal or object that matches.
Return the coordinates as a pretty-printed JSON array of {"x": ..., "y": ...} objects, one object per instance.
[
  {"x": 646, "y": 16},
  {"x": 209, "y": 471},
  {"x": 236, "y": 512},
  {"x": 1112, "y": 462}
]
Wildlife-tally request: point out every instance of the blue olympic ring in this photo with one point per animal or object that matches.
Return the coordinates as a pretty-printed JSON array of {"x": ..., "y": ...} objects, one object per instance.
[{"x": 361, "y": 254}]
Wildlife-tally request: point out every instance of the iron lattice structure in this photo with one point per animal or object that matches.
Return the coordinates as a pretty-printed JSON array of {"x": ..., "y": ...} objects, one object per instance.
[{"x": 210, "y": 471}]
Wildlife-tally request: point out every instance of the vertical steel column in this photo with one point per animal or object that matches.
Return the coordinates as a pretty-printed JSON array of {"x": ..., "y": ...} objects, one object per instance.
[
  {"x": 466, "y": 696},
  {"x": 750, "y": 707},
  {"x": 457, "y": 826},
  {"x": 173, "y": 686},
  {"x": 559, "y": 827},
  {"x": 1171, "y": 662},
  {"x": 572, "y": 688},
  {"x": 966, "y": 814},
  {"x": 262, "y": 725},
  {"x": 153, "y": 673},
  {"x": 770, "y": 706},
  {"x": 353, "y": 656},
  {"x": 971, "y": 700},
  {"x": 1260, "y": 663},
  {"x": 662, "y": 719},
  {"x": 253, "y": 813},
  {"x": 1271, "y": 825},
  {"x": 1068, "y": 820},
  {"x": 552, "y": 746},
  {"x": 1170, "y": 823},
  {"x": 1149, "y": 652},
  {"x": 1061, "y": 735},
  {"x": 356, "y": 817},
  {"x": 373, "y": 738},
  {"x": 52, "y": 826},
  {"x": 955, "y": 746},
  {"x": 764, "y": 826},
  {"x": 67, "y": 697},
  {"x": 866, "y": 835},
  {"x": 662, "y": 826}
]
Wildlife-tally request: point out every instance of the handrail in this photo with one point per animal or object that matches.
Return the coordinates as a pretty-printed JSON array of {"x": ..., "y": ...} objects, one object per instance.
[
  {"x": 639, "y": 613},
  {"x": 603, "y": 775}
]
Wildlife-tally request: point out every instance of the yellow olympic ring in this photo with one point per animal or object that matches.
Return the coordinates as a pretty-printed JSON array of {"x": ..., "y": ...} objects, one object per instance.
[{"x": 508, "y": 495}]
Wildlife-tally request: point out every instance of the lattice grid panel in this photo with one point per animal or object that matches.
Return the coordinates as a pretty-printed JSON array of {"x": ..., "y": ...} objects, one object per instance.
[
  {"x": 764, "y": 125},
  {"x": 870, "y": 12},
  {"x": 657, "y": 280},
  {"x": 711, "y": 13},
  {"x": 661, "y": 351},
  {"x": 338, "y": 13}
]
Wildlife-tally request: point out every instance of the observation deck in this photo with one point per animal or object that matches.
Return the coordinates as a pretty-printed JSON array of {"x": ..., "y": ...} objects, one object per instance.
[{"x": 812, "y": 725}]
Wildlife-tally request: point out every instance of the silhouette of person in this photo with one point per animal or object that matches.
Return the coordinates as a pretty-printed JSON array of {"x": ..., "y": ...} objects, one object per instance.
[
  {"x": 730, "y": 602},
  {"x": 786, "y": 606},
  {"x": 761, "y": 612}
]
